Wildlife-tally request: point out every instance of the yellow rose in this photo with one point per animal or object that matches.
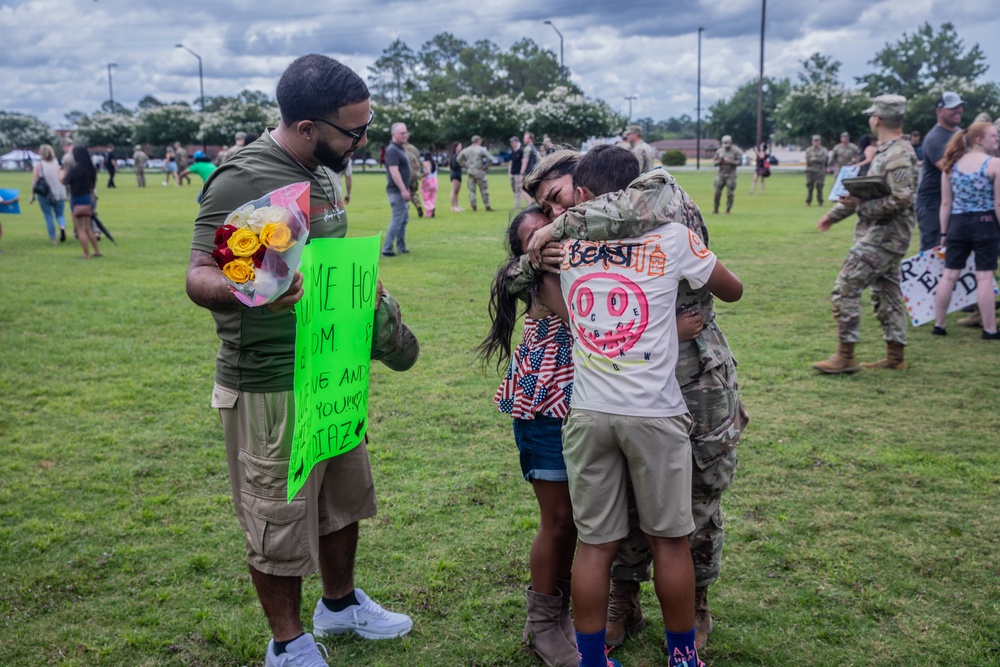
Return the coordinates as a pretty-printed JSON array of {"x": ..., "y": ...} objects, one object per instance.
[
  {"x": 239, "y": 270},
  {"x": 277, "y": 237},
  {"x": 243, "y": 242}
]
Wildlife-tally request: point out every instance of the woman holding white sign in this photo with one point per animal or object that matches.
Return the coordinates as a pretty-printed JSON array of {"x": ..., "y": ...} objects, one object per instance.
[{"x": 970, "y": 207}]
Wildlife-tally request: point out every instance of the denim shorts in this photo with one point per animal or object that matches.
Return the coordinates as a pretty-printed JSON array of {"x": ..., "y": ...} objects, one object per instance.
[
  {"x": 540, "y": 442},
  {"x": 81, "y": 200}
]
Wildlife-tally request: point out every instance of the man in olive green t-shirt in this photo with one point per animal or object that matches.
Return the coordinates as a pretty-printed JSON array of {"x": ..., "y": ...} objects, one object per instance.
[{"x": 318, "y": 530}]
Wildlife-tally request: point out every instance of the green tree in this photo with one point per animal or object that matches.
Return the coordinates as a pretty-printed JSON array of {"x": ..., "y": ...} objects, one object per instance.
[
  {"x": 148, "y": 102},
  {"x": 23, "y": 131},
  {"x": 101, "y": 129},
  {"x": 922, "y": 65},
  {"x": 820, "y": 104},
  {"x": 494, "y": 118},
  {"x": 737, "y": 116},
  {"x": 440, "y": 60},
  {"x": 393, "y": 74},
  {"x": 531, "y": 70},
  {"x": 569, "y": 117},
  {"x": 225, "y": 116},
  {"x": 166, "y": 124}
]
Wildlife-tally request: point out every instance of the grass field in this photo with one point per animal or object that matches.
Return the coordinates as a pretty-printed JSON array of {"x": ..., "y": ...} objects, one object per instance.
[{"x": 862, "y": 528}]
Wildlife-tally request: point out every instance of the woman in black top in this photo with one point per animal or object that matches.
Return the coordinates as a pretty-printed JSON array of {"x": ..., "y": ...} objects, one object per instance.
[
  {"x": 81, "y": 180},
  {"x": 456, "y": 174}
]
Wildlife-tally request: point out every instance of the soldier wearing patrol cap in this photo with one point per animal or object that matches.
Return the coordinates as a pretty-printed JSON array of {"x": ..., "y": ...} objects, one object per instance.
[
  {"x": 727, "y": 158},
  {"x": 642, "y": 151},
  {"x": 843, "y": 154},
  {"x": 881, "y": 238},
  {"x": 817, "y": 159}
]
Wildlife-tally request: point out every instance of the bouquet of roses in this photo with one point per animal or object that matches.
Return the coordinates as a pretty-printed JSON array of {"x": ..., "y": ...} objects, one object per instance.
[{"x": 259, "y": 247}]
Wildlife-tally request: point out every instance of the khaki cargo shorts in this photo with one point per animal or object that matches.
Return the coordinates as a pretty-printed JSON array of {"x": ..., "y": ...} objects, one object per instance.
[
  {"x": 283, "y": 538},
  {"x": 603, "y": 450}
]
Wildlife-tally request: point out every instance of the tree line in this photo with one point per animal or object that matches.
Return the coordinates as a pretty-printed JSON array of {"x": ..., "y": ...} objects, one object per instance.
[{"x": 449, "y": 89}]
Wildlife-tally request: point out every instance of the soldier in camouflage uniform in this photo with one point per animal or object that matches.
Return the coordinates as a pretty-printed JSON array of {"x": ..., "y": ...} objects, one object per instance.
[
  {"x": 640, "y": 149},
  {"x": 843, "y": 154},
  {"x": 727, "y": 158},
  {"x": 416, "y": 174},
  {"x": 706, "y": 372},
  {"x": 476, "y": 160},
  {"x": 817, "y": 160},
  {"x": 881, "y": 238}
]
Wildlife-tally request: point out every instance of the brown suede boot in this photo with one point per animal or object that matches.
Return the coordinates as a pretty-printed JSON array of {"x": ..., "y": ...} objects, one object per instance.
[
  {"x": 624, "y": 613},
  {"x": 893, "y": 358},
  {"x": 973, "y": 320},
  {"x": 543, "y": 633},
  {"x": 842, "y": 362},
  {"x": 702, "y": 618},
  {"x": 565, "y": 620}
]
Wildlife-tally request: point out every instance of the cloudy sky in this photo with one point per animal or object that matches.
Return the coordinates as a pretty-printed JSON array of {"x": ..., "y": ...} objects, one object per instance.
[{"x": 54, "y": 53}]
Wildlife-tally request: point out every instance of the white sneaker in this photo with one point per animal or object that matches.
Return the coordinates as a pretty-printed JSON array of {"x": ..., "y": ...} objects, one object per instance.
[
  {"x": 367, "y": 619},
  {"x": 300, "y": 653}
]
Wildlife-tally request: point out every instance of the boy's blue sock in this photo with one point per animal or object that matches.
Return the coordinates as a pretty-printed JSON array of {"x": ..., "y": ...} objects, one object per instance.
[
  {"x": 591, "y": 648},
  {"x": 680, "y": 649}
]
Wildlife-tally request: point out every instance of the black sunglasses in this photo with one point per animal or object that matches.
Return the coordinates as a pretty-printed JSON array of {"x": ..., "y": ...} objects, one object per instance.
[{"x": 357, "y": 134}]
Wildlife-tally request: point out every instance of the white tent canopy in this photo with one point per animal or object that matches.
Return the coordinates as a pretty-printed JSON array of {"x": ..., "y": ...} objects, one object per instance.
[{"x": 20, "y": 155}]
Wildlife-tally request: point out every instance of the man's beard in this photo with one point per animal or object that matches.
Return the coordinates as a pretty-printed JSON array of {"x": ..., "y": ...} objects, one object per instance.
[{"x": 328, "y": 158}]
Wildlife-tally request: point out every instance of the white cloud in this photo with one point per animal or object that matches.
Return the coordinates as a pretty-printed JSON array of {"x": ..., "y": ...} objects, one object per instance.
[{"x": 56, "y": 51}]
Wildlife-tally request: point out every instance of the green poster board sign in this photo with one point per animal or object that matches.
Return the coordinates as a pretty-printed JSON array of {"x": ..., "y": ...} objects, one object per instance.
[{"x": 333, "y": 340}]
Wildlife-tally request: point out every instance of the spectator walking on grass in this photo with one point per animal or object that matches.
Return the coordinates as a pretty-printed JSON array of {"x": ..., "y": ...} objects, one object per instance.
[
  {"x": 317, "y": 96},
  {"x": 397, "y": 188},
  {"x": 455, "y": 174},
  {"x": 81, "y": 180},
  {"x": 53, "y": 204}
]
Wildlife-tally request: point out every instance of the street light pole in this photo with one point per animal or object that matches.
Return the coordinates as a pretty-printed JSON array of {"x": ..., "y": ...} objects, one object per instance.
[
  {"x": 562, "y": 65},
  {"x": 630, "y": 98},
  {"x": 697, "y": 140},
  {"x": 201, "y": 84},
  {"x": 760, "y": 82},
  {"x": 111, "y": 89}
]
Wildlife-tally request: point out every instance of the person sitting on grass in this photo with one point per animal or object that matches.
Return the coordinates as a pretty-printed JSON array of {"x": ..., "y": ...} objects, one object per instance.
[{"x": 628, "y": 417}]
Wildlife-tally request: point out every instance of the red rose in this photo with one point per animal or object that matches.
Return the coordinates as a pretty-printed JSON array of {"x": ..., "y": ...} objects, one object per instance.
[
  {"x": 223, "y": 255},
  {"x": 276, "y": 265},
  {"x": 222, "y": 235},
  {"x": 258, "y": 257}
]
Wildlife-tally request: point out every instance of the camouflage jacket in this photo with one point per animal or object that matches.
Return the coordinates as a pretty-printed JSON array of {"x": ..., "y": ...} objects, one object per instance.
[
  {"x": 733, "y": 154},
  {"x": 645, "y": 154},
  {"x": 650, "y": 201},
  {"x": 475, "y": 160},
  {"x": 887, "y": 222},
  {"x": 416, "y": 162},
  {"x": 842, "y": 155},
  {"x": 817, "y": 158}
]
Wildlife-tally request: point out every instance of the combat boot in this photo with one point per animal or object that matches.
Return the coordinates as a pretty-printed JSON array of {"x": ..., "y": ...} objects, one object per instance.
[
  {"x": 543, "y": 633},
  {"x": 624, "y": 613},
  {"x": 893, "y": 358},
  {"x": 842, "y": 362},
  {"x": 702, "y": 618},
  {"x": 565, "y": 619},
  {"x": 973, "y": 320}
]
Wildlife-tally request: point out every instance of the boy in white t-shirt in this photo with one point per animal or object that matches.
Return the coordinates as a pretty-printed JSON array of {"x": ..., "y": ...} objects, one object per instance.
[{"x": 628, "y": 416}]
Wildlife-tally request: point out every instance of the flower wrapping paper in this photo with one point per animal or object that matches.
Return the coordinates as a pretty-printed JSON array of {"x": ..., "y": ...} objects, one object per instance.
[{"x": 259, "y": 247}]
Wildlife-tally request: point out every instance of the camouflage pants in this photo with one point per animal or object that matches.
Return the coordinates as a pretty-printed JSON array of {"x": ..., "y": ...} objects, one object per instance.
[
  {"x": 484, "y": 189},
  {"x": 718, "y": 419},
  {"x": 869, "y": 266},
  {"x": 724, "y": 181},
  {"x": 815, "y": 179}
]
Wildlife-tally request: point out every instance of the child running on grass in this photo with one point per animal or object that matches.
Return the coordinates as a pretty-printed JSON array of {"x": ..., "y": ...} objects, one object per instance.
[
  {"x": 536, "y": 394},
  {"x": 628, "y": 415}
]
